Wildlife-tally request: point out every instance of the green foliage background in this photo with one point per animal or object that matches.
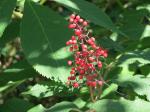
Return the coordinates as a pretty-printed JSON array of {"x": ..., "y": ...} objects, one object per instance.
[{"x": 33, "y": 68}]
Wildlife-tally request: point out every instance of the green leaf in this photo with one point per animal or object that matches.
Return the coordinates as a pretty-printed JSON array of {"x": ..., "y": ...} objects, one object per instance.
[
  {"x": 59, "y": 107},
  {"x": 44, "y": 42},
  {"x": 144, "y": 6},
  {"x": 145, "y": 70},
  {"x": 10, "y": 33},
  {"x": 39, "y": 91},
  {"x": 6, "y": 8},
  {"x": 90, "y": 12},
  {"x": 43, "y": 89},
  {"x": 143, "y": 57},
  {"x": 79, "y": 103},
  {"x": 139, "y": 83},
  {"x": 15, "y": 75},
  {"x": 133, "y": 26},
  {"x": 49, "y": 88},
  {"x": 38, "y": 108},
  {"x": 15, "y": 105},
  {"x": 109, "y": 90},
  {"x": 108, "y": 43},
  {"x": 128, "y": 64},
  {"x": 63, "y": 107},
  {"x": 121, "y": 105}
]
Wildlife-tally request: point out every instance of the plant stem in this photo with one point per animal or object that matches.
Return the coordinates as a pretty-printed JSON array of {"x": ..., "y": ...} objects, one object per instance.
[
  {"x": 99, "y": 92},
  {"x": 91, "y": 94}
]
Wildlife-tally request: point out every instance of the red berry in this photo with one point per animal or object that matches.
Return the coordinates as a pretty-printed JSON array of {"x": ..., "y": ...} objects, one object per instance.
[
  {"x": 69, "y": 62},
  {"x": 99, "y": 64},
  {"x": 85, "y": 23},
  {"x": 75, "y": 85},
  {"x": 70, "y": 41},
  {"x": 93, "y": 39},
  {"x": 91, "y": 59},
  {"x": 78, "y": 32},
  {"x": 88, "y": 83},
  {"x": 75, "y": 21},
  {"x": 77, "y": 17},
  {"x": 84, "y": 47},
  {"x": 78, "y": 53},
  {"x": 90, "y": 42},
  {"x": 73, "y": 38},
  {"x": 86, "y": 54},
  {"x": 102, "y": 52},
  {"x": 105, "y": 55},
  {"x": 73, "y": 16},
  {"x": 100, "y": 83},
  {"x": 72, "y": 77},
  {"x": 71, "y": 20},
  {"x": 71, "y": 49},
  {"x": 80, "y": 20},
  {"x": 72, "y": 26},
  {"x": 82, "y": 72},
  {"x": 68, "y": 78},
  {"x": 90, "y": 77},
  {"x": 93, "y": 84},
  {"x": 91, "y": 51},
  {"x": 72, "y": 68},
  {"x": 72, "y": 72},
  {"x": 94, "y": 75},
  {"x": 80, "y": 77},
  {"x": 94, "y": 46},
  {"x": 75, "y": 47},
  {"x": 67, "y": 43}
]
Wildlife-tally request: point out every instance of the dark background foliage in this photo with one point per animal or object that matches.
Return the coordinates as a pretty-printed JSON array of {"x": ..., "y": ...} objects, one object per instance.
[{"x": 33, "y": 64}]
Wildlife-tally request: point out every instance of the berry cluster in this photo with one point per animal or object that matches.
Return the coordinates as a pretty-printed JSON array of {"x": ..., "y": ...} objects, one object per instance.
[{"x": 87, "y": 55}]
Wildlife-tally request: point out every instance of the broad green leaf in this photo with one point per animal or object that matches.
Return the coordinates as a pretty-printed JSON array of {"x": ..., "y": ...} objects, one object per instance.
[
  {"x": 109, "y": 90},
  {"x": 144, "y": 6},
  {"x": 43, "y": 36},
  {"x": 16, "y": 105},
  {"x": 128, "y": 64},
  {"x": 38, "y": 108},
  {"x": 59, "y": 107},
  {"x": 79, "y": 103},
  {"x": 10, "y": 33},
  {"x": 20, "y": 3},
  {"x": 108, "y": 43},
  {"x": 122, "y": 105},
  {"x": 15, "y": 75},
  {"x": 146, "y": 33},
  {"x": 139, "y": 83},
  {"x": 121, "y": 71},
  {"x": 90, "y": 12},
  {"x": 49, "y": 88},
  {"x": 39, "y": 91},
  {"x": 9, "y": 87},
  {"x": 62, "y": 107},
  {"x": 133, "y": 26},
  {"x": 45, "y": 89},
  {"x": 144, "y": 43},
  {"x": 145, "y": 70},
  {"x": 143, "y": 57},
  {"x": 6, "y": 9}
]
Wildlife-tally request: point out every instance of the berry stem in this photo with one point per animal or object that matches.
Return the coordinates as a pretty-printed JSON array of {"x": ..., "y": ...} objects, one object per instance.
[
  {"x": 92, "y": 94},
  {"x": 99, "y": 92}
]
